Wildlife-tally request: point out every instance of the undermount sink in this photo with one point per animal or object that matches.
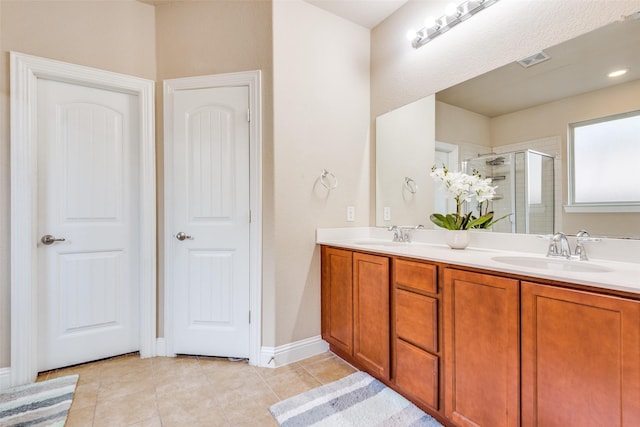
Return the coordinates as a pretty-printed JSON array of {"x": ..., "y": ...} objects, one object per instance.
[
  {"x": 374, "y": 242},
  {"x": 551, "y": 264}
]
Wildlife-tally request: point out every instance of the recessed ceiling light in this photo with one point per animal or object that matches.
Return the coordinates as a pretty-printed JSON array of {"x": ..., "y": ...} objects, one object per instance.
[{"x": 618, "y": 73}]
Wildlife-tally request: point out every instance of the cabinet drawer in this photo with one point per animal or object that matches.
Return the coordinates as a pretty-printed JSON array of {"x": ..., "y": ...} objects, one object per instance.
[
  {"x": 417, "y": 373},
  {"x": 417, "y": 319},
  {"x": 416, "y": 275}
]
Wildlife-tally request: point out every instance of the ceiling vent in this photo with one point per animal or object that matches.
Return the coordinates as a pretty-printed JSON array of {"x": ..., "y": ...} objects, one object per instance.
[{"x": 534, "y": 59}]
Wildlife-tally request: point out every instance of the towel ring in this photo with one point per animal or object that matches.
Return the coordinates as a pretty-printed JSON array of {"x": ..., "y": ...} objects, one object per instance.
[
  {"x": 324, "y": 181},
  {"x": 410, "y": 185}
]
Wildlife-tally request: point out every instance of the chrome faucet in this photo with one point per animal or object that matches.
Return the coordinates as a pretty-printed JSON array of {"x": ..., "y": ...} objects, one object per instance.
[
  {"x": 406, "y": 232},
  {"x": 403, "y": 234},
  {"x": 559, "y": 246}
]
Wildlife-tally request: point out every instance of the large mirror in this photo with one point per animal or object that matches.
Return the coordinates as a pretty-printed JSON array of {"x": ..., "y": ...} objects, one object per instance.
[{"x": 526, "y": 106}]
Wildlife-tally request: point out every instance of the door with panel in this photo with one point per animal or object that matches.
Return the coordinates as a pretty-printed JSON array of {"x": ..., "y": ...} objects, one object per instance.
[
  {"x": 371, "y": 314},
  {"x": 88, "y": 217},
  {"x": 337, "y": 299},
  {"x": 481, "y": 349},
  {"x": 209, "y": 221},
  {"x": 580, "y": 358}
]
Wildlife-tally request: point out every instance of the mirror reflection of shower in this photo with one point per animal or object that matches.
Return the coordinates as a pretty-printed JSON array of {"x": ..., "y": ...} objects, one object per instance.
[{"x": 525, "y": 181}]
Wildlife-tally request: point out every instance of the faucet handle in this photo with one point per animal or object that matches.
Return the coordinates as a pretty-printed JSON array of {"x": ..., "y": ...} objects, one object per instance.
[
  {"x": 580, "y": 252},
  {"x": 397, "y": 233},
  {"x": 553, "y": 247},
  {"x": 582, "y": 234},
  {"x": 583, "y": 237}
]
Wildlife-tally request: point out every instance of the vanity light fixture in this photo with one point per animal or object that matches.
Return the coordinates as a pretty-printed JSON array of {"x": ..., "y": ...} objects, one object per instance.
[
  {"x": 618, "y": 73},
  {"x": 453, "y": 16}
]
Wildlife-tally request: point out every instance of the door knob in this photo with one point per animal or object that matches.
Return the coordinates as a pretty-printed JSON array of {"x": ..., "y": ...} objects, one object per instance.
[
  {"x": 182, "y": 236},
  {"x": 48, "y": 239}
]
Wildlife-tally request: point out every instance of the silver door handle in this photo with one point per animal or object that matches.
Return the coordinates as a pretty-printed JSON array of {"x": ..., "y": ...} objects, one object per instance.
[
  {"x": 48, "y": 239},
  {"x": 182, "y": 236}
]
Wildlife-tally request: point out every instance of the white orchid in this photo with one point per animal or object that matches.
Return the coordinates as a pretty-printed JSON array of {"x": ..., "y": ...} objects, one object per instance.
[{"x": 464, "y": 188}]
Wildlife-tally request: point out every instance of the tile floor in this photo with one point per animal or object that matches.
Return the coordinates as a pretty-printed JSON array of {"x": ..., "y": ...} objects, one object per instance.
[{"x": 189, "y": 391}]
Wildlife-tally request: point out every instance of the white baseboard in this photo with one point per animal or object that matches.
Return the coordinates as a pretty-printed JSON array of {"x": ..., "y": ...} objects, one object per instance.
[
  {"x": 161, "y": 348},
  {"x": 5, "y": 378},
  {"x": 273, "y": 357}
]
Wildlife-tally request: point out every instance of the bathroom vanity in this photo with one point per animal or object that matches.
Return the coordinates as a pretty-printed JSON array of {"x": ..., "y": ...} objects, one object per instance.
[{"x": 477, "y": 341}]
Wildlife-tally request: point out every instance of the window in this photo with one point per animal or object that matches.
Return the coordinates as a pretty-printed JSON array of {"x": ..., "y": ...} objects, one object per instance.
[{"x": 604, "y": 164}]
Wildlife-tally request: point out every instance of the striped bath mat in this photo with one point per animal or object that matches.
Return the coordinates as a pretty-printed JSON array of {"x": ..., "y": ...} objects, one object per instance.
[
  {"x": 356, "y": 400},
  {"x": 45, "y": 403}
]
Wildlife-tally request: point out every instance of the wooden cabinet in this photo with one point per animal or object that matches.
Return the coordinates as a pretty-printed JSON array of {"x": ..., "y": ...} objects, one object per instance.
[
  {"x": 337, "y": 299},
  {"x": 371, "y": 313},
  {"x": 355, "y": 308},
  {"x": 481, "y": 347},
  {"x": 416, "y": 358},
  {"x": 580, "y": 358}
]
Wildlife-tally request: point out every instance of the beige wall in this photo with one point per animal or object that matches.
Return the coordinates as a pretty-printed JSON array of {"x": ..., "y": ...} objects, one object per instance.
[
  {"x": 321, "y": 120},
  {"x": 405, "y": 143},
  {"x": 552, "y": 119},
  {"x": 117, "y": 36},
  {"x": 458, "y": 126},
  {"x": 324, "y": 106}
]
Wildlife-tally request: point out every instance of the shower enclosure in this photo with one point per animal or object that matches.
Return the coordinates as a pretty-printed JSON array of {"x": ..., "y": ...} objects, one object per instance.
[{"x": 525, "y": 181}]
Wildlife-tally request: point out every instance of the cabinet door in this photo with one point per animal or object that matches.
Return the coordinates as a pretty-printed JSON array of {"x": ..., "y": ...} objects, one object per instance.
[
  {"x": 481, "y": 345},
  {"x": 371, "y": 313},
  {"x": 416, "y": 373},
  {"x": 337, "y": 299},
  {"x": 580, "y": 358}
]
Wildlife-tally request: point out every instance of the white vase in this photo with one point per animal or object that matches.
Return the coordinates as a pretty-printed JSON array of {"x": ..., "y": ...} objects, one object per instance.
[{"x": 457, "y": 239}]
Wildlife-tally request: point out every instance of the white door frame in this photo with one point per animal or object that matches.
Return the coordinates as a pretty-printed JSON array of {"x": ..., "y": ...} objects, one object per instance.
[
  {"x": 253, "y": 80},
  {"x": 453, "y": 164},
  {"x": 25, "y": 72}
]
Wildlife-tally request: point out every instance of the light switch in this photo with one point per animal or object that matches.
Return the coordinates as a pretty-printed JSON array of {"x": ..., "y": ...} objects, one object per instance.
[
  {"x": 351, "y": 213},
  {"x": 386, "y": 213}
]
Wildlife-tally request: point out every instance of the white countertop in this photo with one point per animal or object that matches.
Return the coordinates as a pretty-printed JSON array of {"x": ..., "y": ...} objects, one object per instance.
[{"x": 623, "y": 273}]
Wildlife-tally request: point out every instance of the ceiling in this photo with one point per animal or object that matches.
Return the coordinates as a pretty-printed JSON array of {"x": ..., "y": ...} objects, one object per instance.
[
  {"x": 577, "y": 66},
  {"x": 367, "y": 13}
]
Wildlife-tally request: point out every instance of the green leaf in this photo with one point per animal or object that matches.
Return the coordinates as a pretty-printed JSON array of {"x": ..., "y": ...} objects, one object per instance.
[
  {"x": 488, "y": 220},
  {"x": 481, "y": 222},
  {"x": 444, "y": 221}
]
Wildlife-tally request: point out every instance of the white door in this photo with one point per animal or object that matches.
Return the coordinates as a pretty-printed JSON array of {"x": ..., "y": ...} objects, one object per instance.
[
  {"x": 209, "y": 229},
  {"x": 88, "y": 199}
]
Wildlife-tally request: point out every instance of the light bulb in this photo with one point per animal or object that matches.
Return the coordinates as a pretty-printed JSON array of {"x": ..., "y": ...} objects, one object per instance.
[
  {"x": 430, "y": 22},
  {"x": 451, "y": 10},
  {"x": 411, "y": 35}
]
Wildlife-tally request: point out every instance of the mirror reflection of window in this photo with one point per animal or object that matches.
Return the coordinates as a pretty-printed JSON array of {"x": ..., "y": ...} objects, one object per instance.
[{"x": 604, "y": 157}]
